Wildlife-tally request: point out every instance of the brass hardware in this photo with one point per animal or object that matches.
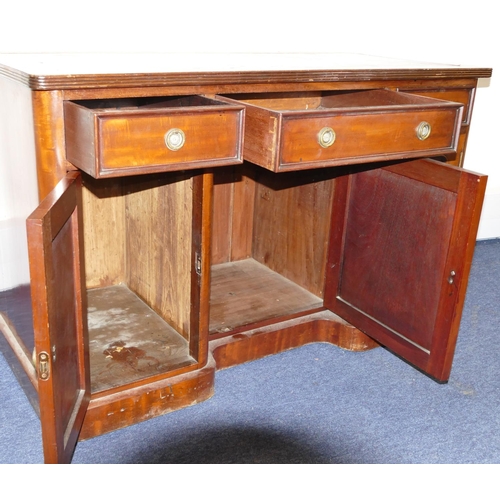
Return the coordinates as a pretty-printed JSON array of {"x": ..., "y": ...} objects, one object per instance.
[
  {"x": 175, "y": 139},
  {"x": 326, "y": 137},
  {"x": 198, "y": 264},
  {"x": 43, "y": 366},
  {"x": 423, "y": 130},
  {"x": 451, "y": 277}
]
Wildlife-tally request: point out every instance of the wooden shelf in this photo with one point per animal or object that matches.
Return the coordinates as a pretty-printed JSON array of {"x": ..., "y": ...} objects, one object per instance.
[
  {"x": 128, "y": 340},
  {"x": 247, "y": 292}
]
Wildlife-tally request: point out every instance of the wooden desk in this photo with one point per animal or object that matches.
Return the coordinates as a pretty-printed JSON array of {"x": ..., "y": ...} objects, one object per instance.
[{"x": 200, "y": 212}]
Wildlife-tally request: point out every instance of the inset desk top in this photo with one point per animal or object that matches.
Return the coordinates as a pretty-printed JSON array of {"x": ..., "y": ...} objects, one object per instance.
[{"x": 118, "y": 70}]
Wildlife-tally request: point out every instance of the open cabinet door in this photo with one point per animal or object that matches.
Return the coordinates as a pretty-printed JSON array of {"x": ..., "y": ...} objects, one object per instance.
[
  {"x": 401, "y": 247},
  {"x": 59, "y": 316}
]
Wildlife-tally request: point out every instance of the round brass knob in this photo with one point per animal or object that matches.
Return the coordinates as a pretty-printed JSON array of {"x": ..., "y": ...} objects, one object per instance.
[
  {"x": 175, "y": 139},
  {"x": 326, "y": 137},
  {"x": 423, "y": 130}
]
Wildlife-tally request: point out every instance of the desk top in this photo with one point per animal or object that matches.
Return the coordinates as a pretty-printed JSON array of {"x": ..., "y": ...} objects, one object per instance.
[{"x": 118, "y": 70}]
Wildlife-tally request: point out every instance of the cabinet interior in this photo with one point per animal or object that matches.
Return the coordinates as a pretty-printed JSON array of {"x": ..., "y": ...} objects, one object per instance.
[
  {"x": 269, "y": 245},
  {"x": 268, "y": 255},
  {"x": 138, "y": 245}
]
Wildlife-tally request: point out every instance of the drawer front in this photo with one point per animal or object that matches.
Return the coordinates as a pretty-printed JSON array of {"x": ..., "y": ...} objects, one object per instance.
[
  {"x": 139, "y": 141},
  {"x": 361, "y": 137},
  {"x": 179, "y": 134},
  {"x": 324, "y": 129}
]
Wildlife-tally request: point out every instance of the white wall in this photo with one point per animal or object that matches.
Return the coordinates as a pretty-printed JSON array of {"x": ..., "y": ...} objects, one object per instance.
[
  {"x": 18, "y": 191},
  {"x": 449, "y": 31}
]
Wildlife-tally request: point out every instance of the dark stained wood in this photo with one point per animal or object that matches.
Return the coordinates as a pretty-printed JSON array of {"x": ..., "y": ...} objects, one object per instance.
[
  {"x": 470, "y": 197},
  {"x": 124, "y": 80},
  {"x": 109, "y": 412},
  {"x": 127, "y": 136},
  {"x": 201, "y": 251},
  {"x": 48, "y": 107},
  {"x": 462, "y": 95},
  {"x": 457, "y": 159},
  {"x": 49, "y": 140},
  {"x": 262, "y": 341},
  {"x": 60, "y": 317},
  {"x": 248, "y": 87},
  {"x": 395, "y": 244},
  {"x": 171, "y": 237},
  {"x": 282, "y": 133}
]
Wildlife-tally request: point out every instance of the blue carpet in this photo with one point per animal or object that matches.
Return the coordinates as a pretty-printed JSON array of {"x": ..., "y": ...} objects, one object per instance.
[{"x": 316, "y": 404}]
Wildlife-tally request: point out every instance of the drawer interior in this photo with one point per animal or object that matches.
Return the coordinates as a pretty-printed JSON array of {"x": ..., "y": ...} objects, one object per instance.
[
  {"x": 356, "y": 100},
  {"x": 138, "y": 103}
]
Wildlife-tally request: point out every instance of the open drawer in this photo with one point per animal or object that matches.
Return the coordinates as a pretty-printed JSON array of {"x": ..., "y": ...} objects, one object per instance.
[
  {"x": 321, "y": 129},
  {"x": 117, "y": 137}
]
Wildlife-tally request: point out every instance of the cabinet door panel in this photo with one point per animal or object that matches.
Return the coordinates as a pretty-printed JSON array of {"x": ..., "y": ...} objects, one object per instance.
[
  {"x": 59, "y": 315},
  {"x": 402, "y": 241}
]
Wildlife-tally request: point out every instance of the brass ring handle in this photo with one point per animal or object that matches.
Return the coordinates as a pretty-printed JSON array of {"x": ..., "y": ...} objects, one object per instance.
[
  {"x": 423, "y": 130},
  {"x": 175, "y": 139},
  {"x": 326, "y": 137}
]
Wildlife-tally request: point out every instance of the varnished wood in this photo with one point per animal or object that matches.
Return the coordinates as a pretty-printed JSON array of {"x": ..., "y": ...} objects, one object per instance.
[
  {"x": 278, "y": 337},
  {"x": 462, "y": 95},
  {"x": 50, "y": 146},
  {"x": 201, "y": 251},
  {"x": 60, "y": 317},
  {"x": 470, "y": 196},
  {"x": 119, "y": 409},
  {"x": 174, "y": 238},
  {"x": 392, "y": 281},
  {"x": 127, "y": 136},
  {"x": 257, "y": 78},
  {"x": 50, "y": 135},
  {"x": 107, "y": 70},
  {"x": 282, "y": 132},
  {"x": 247, "y": 87}
]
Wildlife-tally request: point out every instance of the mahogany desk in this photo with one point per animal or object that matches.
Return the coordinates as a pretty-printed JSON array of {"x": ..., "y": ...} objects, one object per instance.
[{"x": 197, "y": 212}]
